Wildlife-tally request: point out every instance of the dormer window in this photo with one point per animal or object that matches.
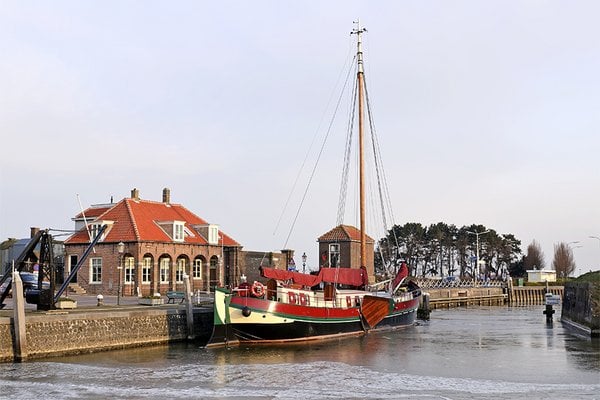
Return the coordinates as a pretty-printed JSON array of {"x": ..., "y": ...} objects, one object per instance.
[
  {"x": 95, "y": 228},
  {"x": 178, "y": 229},
  {"x": 209, "y": 232},
  {"x": 213, "y": 234}
]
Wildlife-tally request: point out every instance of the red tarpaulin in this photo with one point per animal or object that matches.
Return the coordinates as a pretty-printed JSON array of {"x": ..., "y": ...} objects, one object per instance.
[{"x": 344, "y": 276}]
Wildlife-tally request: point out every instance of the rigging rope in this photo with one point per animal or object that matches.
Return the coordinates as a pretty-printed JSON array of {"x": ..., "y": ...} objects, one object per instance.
[
  {"x": 317, "y": 160},
  {"x": 347, "y": 155},
  {"x": 308, "y": 152}
]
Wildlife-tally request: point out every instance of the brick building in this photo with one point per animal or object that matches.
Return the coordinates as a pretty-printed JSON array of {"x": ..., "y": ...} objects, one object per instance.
[
  {"x": 147, "y": 248},
  {"x": 341, "y": 247}
]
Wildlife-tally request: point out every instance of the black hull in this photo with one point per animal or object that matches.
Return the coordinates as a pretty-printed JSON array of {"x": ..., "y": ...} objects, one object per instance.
[{"x": 302, "y": 331}]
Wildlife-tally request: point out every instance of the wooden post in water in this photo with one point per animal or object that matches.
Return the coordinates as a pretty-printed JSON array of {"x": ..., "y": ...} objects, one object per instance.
[
  {"x": 189, "y": 307},
  {"x": 19, "y": 317}
]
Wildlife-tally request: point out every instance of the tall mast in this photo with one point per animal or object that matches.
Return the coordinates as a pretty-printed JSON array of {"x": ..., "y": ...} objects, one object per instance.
[{"x": 360, "y": 79}]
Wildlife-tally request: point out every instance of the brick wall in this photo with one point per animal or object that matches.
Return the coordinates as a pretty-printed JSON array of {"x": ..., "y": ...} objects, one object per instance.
[
  {"x": 53, "y": 335},
  {"x": 226, "y": 260}
]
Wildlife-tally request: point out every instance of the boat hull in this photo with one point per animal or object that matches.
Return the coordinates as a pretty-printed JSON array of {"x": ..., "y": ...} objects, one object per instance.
[{"x": 258, "y": 321}]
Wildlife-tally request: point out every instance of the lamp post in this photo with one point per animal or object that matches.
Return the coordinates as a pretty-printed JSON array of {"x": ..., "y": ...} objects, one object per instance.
[
  {"x": 120, "y": 250},
  {"x": 477, "y": 246},
  {"x": 304, "y": 262}
]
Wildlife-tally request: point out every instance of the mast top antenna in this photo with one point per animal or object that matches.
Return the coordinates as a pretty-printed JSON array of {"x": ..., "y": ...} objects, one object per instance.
[
  {"x": 358, "y": 30},
  {"x": 359, "y": 56}
]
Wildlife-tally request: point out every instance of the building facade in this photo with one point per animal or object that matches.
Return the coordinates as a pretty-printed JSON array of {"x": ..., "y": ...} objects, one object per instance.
[
  {"x": 340, "y": 247},
  {"x": 147, "y": 247}
]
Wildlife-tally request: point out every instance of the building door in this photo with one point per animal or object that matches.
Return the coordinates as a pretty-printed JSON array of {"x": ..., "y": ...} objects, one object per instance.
[{"x": 72, "y": 264}]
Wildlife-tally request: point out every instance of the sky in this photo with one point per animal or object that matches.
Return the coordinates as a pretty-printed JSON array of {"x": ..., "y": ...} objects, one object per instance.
[{"x": 486, "y": 112}]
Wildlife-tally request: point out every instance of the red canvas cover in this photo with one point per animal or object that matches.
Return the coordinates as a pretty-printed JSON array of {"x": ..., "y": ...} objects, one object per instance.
[
  {"x": 344, "y": 276},
  {"x": 296, "y": 277}
]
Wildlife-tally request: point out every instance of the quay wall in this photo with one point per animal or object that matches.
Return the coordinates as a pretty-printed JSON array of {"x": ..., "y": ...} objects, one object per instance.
[
  {"x": 462, "y": 296},
  {"x": 532, "y": 295},
  {"x": 56, "y": 334},
  {"x": 581, "y": 307}
]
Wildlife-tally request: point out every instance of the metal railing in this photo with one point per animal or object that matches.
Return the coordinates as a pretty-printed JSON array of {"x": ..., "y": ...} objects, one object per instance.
[{"x": 459, "y": 283}]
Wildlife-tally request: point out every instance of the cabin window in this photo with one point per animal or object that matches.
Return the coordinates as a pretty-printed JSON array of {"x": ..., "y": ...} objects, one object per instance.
[{"x": 96, "y": 270}]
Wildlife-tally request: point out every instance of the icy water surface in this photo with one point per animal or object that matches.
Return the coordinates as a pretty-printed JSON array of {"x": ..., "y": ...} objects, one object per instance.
[{"x": 474, "y": 353}]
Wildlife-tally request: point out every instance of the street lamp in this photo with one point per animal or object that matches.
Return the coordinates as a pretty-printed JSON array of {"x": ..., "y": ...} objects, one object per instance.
[
  {"x": 120, "y": 250},
  {"x": 304, "y": 263},
  {"x": 477, "y": 239}
]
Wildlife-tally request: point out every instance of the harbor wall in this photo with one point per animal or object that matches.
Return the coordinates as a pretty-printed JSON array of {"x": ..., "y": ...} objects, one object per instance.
[
  {"x": 56, "y": 334},
  {"x": 532, "y": 295},
  {"x": 464, "y": 296},
  {"x": 581, "y": 307}
]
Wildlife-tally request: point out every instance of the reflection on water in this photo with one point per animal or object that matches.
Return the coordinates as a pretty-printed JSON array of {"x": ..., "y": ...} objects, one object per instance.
[{"x": 475, "y": 353}]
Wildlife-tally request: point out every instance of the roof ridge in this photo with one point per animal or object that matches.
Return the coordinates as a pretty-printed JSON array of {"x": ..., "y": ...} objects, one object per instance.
[{"x": 133, "y": 221}]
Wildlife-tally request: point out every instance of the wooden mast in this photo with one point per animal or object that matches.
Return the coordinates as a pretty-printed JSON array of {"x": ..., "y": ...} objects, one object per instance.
[{"x": 360, "y": 78}]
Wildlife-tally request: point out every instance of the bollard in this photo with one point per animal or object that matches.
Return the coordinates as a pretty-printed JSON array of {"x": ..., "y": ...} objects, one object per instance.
[
  {"x": 423, "y": 311},
  {"x": 100, "y": 300},
  {"x": 549, "y": 311}
]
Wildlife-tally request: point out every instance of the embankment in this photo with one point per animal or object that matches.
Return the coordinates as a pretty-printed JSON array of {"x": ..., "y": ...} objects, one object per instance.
[{"x": 56, "y": 333}]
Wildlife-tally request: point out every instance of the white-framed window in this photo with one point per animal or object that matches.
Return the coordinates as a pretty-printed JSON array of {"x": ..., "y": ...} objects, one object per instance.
[
  {"x": 334, "y": 255},
  {"x": 213, "y": 234},
  {"x": 129, "y": 267},
  {"x": 146, "y": 269},
  {"x": 197, "y": 271},
  {"x": 164, "y": 270},
  {"x": 94, "y": 229},
  {"x": 178, "y": 231},
  {"x": 180, "y": 270},
  {"x": 96, "y": 270}
]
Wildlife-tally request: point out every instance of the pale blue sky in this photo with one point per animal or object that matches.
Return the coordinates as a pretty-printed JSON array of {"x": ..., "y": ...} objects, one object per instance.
[{"x": 487, "y": 112}]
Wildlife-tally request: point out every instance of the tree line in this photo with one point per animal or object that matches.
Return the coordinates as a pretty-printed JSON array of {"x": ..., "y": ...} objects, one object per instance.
[{"x": 446, "y": 250}]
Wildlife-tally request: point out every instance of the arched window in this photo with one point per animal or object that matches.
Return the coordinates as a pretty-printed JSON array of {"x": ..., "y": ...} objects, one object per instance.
[
  {"x": 180, "y": 269},
  {"x": 197, "y": 269},
  {"x": 164, "y": 263},
  {"x": 129, "y": 268},
  {"x": 147, "y": 268},
  {"x": 214, "y": 264}
]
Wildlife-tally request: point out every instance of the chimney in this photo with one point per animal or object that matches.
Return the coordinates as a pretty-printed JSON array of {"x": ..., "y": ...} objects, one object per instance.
[
  {"x": 34, "y": 231},
  {"x": 166, "y": 195},
  {"x": 135, "y": 194}
]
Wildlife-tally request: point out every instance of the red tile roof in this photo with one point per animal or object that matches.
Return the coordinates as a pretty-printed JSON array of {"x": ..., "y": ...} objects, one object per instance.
[
  {"x": 94, "y": 211},
  {"x": 343, "y": 233},
  {"x": 137, "y": 220}
]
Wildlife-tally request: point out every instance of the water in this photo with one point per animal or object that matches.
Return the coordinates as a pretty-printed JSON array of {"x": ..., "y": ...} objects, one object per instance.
[{"x": 475, "y": 353}]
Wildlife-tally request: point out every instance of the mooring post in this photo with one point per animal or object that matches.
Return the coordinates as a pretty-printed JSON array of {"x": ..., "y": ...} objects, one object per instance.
[
  {"x": 189, "y": 307},
  {"x": 423, "y": 311},
  {"x": 20, "y": 345}
]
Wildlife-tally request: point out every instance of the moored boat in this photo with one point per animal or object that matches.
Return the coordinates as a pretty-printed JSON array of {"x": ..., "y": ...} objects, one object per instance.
[{"x": 334, "y": 302}]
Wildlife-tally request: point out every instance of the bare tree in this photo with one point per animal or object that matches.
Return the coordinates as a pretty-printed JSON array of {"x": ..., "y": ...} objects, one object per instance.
[
  {"x": 563, "y": 263},
  {"x": 535, "y": 257}
]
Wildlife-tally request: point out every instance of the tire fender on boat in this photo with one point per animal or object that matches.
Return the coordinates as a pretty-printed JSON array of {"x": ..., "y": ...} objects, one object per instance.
[
  {"x": 291, "y": 297},
  {"x": 304, "y": 299},
  {"x": 258, "y": 289}
]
